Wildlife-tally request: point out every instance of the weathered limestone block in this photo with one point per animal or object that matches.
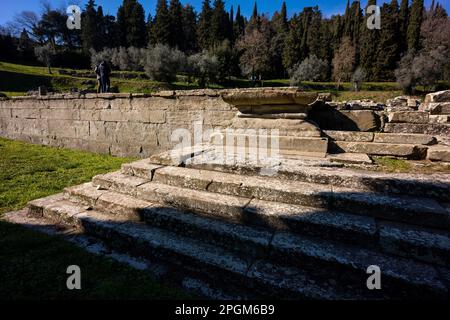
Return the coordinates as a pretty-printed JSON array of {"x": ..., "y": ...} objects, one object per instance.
[
  {"x": 274, "y": 109},
  {"x": 32, "y": 113},
  {"x": 354, "y": 136},
  {"x": 146, "y": 116},
  {"x": 218, "y": 118},
  {"x": 150, "y": 103},
  {"x": 126, "y": 149},
  {"x": 97, "y": 131},
  {"x": 363, "y": 120},
  {"x": 89, "y": 115},
  {"x": 284, "y": 126},
  {"x": 69, "y": 104},
  {"x": 294, "y": 116},
  {"x": 381, "y": 149},
  {"x": 247, "y": 143},
  {"x": 439, "y": 118},
  {"x": 27, "y": 127},
  {"x": 131, "y": 133},
  {"x": 437, "y": 108},
  {"x": 81, "y": 144},
  {"x": 112, "y": 115},
  {"x": 441, "y": 96},
  {"x": 68, "y": 128},
  {"x": 5, "y": 113},
  {"x": 403, "y": 103},
  {"x": 164, "y": 94},
  {"x": 431, "y": 129},
  {"x": 439, "y": 153},
  {"x": 407, "y": 138},
  {"x": 328, "y": 117},
  {"x": 268, "y": 96},
  {"x": 60, "y": 114},
  {"x": 409, "y": 117}
]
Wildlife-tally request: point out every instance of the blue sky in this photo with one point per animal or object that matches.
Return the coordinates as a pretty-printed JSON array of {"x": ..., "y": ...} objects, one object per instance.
[{"x": 11, "y": 7}]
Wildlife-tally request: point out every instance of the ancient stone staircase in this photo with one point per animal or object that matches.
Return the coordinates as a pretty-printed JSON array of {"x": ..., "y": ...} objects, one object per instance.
[{"x": 308, "y": 231}]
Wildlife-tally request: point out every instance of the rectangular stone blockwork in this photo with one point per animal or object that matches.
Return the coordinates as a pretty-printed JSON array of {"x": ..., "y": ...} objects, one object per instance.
[{"x": 121, "y": 124}]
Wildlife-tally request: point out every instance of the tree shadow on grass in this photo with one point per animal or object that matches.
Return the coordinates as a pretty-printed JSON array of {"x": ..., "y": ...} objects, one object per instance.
[{"x": 19, "y": 82}]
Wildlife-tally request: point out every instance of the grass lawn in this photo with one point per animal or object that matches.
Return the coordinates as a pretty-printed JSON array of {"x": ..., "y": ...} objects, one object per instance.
[{"x": 33, "y": 265}]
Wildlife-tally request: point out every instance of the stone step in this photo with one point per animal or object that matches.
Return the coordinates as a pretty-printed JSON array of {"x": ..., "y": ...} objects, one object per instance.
[
  {"x": 409, "y": 138},
  {"x": 435, "y": 186},
  {"x": 391, "y": 138},
  {"x": 236, "y": 237},
  {"x": 434, "y": 129},
  {"x": 409, "y": 117},
  {"x": 380, "y": 149},
  {"x": 259, "y": 143},
  {"x": 190, "y": 257},
  {"x": 413, "y": 210},
  {"x": 403, "y": 240},
  {"x": 440, "y": 119},
  {"x": 439, "y": 153},
  {"x": 317, "y": 261},
  {"x": 269, "y": 216}
]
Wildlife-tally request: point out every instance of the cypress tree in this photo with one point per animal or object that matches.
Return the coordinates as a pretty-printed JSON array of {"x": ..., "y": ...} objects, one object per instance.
[
  {"x": 162, "y": 24},
  {"x": 280, "y": 29},
  {"x": 347, "y": 21},
  {"x": 403, "y": 20},
  {"x": 369, "y": 48},
  {"x": 415, "y": 22},
  {"x": 150, "y": 29},
  {"x": 292, "y": 48},
  {"x": 254, "y": 20},
  {"x": 255, "y": 11},
  {"x": 203, "y": 29},
  {"x": 131, "y": 24},
  {"x": 358, "y": 19},
  {"x": 176, "y": 24},
  {"x": 220, "y": 23},
  {"x": 231, "y": 19},
  {"x": 388, "y": 48},
  {"x": 314, "y": 38},
  {"x": 239, "y": 24},
  {"x": 189, "y": 29},
  {"x": 89, "y": 32}
]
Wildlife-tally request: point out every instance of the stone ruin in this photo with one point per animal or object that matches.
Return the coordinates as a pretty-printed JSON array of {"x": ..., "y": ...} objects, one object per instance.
[{"x": 309, "y": 230}]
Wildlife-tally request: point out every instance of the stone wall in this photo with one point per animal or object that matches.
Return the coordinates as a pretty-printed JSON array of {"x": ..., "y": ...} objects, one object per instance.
[{"x": 118, "y": 124}]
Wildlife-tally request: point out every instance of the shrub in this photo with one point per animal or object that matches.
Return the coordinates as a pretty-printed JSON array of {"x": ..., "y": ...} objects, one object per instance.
[
  {"x": 107, "y": 54},
  {"x": 422, "y": 68},
  {"x": 163, "y": 63},
  {"x": 310, "y": 69},
  {"x": 359, "y": 76},
  {"x": 204, "y": 67}
]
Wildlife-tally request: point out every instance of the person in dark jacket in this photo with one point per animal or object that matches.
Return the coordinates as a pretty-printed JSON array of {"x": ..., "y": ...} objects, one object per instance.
[
  {"x": 99, "y": 82},
  {"x": 104, "y": 72}
]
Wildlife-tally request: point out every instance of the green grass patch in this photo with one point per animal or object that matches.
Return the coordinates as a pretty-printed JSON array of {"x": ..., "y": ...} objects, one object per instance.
[
  {"x": 393, "y": 165},
  {"x": 33, "y": 265},
  {"x": 29, "y": 172}
]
